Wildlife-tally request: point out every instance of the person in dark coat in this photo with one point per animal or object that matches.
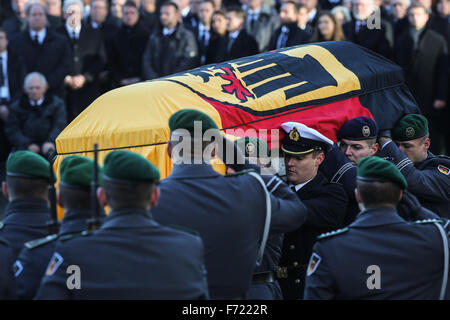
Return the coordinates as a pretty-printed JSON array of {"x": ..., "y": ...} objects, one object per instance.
[
  {"x": 27, "y": 214},
  {"x": 427, "y": 175},
  {"x": 423, "y": 55},
  {"x": 367, "y": 260},
  {"x": 375, "y": 35},
  {"x": 218, "y": 208},
  {"x": 37, "y": 118},
  {"x": 289, "y": 34},
  {"x": 88, "y": 59},
  {"x": 240, "y": 43},
  {"x": 170, "y": 50},
  {"x": 400, "y": 17},
  {"x": 149, "y": 15},
  {"x": 131, "y": 256},
  {"x": 17, "y": 22},
  {"x": 127, "y": 48},
  {"x": 76, "y": 174},
  {"x": 7, "y": 281},
  {"x": 43, "y": 50},
  {"x": 217, "y": 48},
  {"x": 261, "y": 23},
  {"x": 304, "y": 150},
  {"x": 203, "y": 31}
]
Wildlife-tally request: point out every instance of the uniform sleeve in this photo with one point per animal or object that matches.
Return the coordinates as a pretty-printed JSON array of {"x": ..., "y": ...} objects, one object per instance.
[
  {"x": 288, "y": 212},
  {"x": 429, "y": 184},
  {"x": 327, "y": 209},
  {"x": 28, "y": 275},
  {"x": 53, "y": 285},
  {"x": 319, "y": 282}
]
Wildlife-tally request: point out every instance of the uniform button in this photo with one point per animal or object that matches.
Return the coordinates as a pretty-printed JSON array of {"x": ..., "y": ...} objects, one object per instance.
[
  {"x": 297, "y": 280},
  {"x": 295, "y": 264},
  {"x": 292, "y": 247}
]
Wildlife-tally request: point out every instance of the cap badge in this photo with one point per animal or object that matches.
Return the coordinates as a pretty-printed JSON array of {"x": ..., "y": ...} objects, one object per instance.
[
  {"x": 410, "y": 132},
  {"x": 294, "y": 135},
  {"x": 366, "y": 131}
]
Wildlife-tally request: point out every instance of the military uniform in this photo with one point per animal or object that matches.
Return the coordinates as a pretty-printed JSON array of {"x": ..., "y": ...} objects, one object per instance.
[
  {"x": 113, "y": 261},
  {"x": 341, "y": 263},
  {"x": 7, "y": 281},
  {"x": 326, "y": 204},
  {"x": 428, "y": 180},
  {"x": 33, "y": 260}
]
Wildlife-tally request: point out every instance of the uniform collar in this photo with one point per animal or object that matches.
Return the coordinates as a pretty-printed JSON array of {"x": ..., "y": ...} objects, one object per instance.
[
  {"x": 41, "y": 35},
  {"x": 27, "y": 211},
  {"x": 74, "y": 221},
  {"x": 182, "y": 171},
  {"x": 374, "y": 217},
  {"x": 128, "y": 218}
]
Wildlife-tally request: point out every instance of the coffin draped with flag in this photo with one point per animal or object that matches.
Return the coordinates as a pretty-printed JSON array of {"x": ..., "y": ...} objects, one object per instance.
[{"x": 321, "y": 85}]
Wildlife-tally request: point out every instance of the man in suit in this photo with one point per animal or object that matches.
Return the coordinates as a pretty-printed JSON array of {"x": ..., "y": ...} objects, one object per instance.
[
  {"x": 240, "y": 43},
  {"x": 27, "y": 179},
  {"x": 169, "y": 50},
  {"x": 88, "y": 59},
  {"x": 289, "y": 34},
  {"x": 43, "y": 50},
  {"x": 130, "y": 256},
  {"x": 374, "y": 34},
  {"x": 17, "y": 22},
  {"x": 428, "y": 176},
  {"x": 203, "y": 30},
  {"x": 74, "y": 196},
  {"x": 233, "y": 207},
  {"x": 423, "y": 55},
  {"x": 367, "y": 260},
  {"x": 261, "y": 23},
  {"x": 304, "y": 150}
]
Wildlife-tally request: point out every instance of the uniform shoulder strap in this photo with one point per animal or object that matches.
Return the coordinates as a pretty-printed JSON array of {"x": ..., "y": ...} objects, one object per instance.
[
  {"x": 70, "y": 236},
  {"x": 332, "y": 233},
  {"x": 239, "y": 173},
  {"x": 184, "y": 229},
  {"x": 30, "y": 245},
  {"x": 427, "y": 221}
]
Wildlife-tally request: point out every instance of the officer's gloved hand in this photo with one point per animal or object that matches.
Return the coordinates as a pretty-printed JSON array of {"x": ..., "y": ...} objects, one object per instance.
[{"x": 410, "y": 209}]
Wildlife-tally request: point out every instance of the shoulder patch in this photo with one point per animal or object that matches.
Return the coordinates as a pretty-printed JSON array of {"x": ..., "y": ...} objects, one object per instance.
[
  {"x": 332, "y": 233},
  {"x": 76, "y": 235},
  {"x": 40, "y": 242},
  {"x": 239, "y": 173},
  {"x": 427, "y": 221},
  {"x": 443, "y": 170},
  {"x": 184, "y": 229},
  {"x": 17, "y": 268},
  {"x": 313, "y": 264},
  {"x": 54, "y": 264}
]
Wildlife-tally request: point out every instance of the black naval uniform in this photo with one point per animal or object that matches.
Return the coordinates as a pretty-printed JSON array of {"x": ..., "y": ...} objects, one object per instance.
[
  {"x": 327, "y": 205},
  {"x": 428, "y": 180},
  {"x": 25, "y": 220},
  {"x": 34, "y": 258}
]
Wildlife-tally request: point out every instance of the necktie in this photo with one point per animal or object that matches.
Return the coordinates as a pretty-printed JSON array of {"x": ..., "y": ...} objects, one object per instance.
[
  {"x": 74, "y": 35},
  {"x": 359, "y": 24},
  {"x": 36, "y": 39},
  {"x": 230, "y": 43},
  {"x": 2, "y": 78},
  {"x": 252, "y": 20},
  {"x": 282, "y": 39}
]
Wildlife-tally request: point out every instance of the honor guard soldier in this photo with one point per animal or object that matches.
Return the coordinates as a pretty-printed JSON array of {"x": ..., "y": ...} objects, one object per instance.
[
  {"x": 357, "y": 138},
  {"x": 27, "y": 214},
  {"x": 231, "y": 213},
  {"x": 428, "y": 175},
  {"x": 380, "y": 255},
  {"x": 76, "y": 174},
  {"x": 130, "y": 256},
  {"x": 264, "y": 284},
  {"x": 304, "y": 150}
]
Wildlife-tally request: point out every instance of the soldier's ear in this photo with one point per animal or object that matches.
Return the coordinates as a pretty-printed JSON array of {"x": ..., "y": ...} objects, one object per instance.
[
  {"x": 5, "y": 190},
  {"x": 101, "y": 196},
  {"x": 59, "y": 199},
  {"x": 169, "y": 149},
  {"x": 357, "y": 196},
  {"x": 154, "y": 197},
  {"x": 400, "y": 195}
]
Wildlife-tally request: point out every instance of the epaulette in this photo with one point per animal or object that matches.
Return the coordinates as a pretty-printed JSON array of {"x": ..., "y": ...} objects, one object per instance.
[
  {"x": 427, "y": 221},
  {"x": 76, "y": 235},
  {"x": 40, "y": 242},
  {"x": 332, "y": 233},
  {"x": 240, "y": 173},
  {"x": 4, "y": 242},
  {"x": 1, "y": 225},
  {"x": 184, "y": 229}
]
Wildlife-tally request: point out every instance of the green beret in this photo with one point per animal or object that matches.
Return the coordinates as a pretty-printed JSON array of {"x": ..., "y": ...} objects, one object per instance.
[
  {"x": 184, "y": 119},
  {"x": 78, "y": 171},
  {"x": 377, "y": 169},
  {"x": 410, "y": 127},
  {"x": 27, "y": 164},
  {"x": 253, "y": 147},
  {"x": 129, "y": 166}
]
